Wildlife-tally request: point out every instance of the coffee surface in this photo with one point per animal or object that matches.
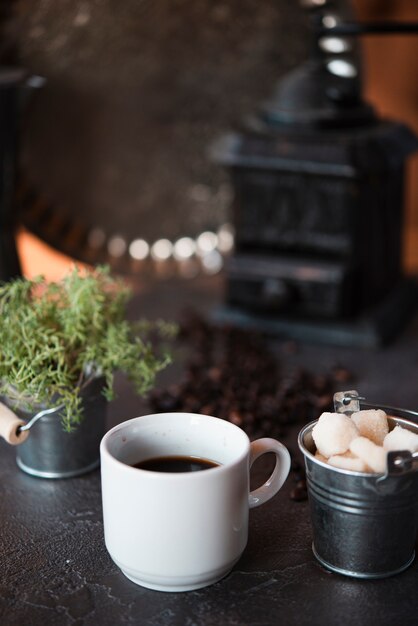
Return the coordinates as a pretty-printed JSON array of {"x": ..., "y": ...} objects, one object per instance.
[{"x": 176, "y": 464}]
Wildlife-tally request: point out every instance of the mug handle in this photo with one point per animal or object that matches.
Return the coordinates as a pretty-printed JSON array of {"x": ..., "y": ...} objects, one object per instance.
[{"x": 280, "y": 472}]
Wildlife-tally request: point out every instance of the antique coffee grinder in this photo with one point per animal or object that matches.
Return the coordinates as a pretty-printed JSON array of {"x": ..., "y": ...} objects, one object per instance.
[{"x": 318, "y": 209}]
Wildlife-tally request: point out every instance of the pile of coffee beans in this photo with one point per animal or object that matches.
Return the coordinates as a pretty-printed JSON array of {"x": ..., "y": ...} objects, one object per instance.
[{"x": 232, "y": 373}]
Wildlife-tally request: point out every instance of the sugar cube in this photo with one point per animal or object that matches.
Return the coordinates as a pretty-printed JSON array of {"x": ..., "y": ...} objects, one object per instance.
[
  {"x": 320, "y": 457},
  {"x": 333, "y": 433},
  {"x": 372, "y": 424},
  {"x": 374, "y": 456},
  {"x": 401, "y": 439},
  {"x": 348, "y": 462}
]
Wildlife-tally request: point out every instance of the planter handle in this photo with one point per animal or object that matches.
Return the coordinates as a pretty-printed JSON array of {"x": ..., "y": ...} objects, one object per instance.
[{"x": 10, "y": 426}]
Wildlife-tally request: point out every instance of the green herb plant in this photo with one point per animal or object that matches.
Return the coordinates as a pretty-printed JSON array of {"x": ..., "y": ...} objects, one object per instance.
[{"x": 56, "y": 337}]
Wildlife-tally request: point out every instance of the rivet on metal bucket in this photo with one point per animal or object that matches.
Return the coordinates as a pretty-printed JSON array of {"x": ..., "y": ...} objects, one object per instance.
[
  {"x": 364, "y": 525},
  {"x": 347, "y": 402}
]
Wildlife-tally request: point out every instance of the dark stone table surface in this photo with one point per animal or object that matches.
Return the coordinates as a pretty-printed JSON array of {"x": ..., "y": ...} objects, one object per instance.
[{"x": 55, "y": 570}]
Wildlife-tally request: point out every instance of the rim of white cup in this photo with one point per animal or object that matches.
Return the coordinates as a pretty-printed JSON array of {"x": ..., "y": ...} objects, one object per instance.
[{"x": 174, "y": 475}]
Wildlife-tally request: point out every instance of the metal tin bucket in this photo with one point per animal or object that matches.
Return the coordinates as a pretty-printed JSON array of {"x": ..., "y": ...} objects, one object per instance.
[
  {"x": 50, "y": 452},
  {"x": 363, "y": 525}
]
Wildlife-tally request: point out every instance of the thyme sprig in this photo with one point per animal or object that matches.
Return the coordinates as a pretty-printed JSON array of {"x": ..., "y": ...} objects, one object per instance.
[{"x": 56, "y": 337}]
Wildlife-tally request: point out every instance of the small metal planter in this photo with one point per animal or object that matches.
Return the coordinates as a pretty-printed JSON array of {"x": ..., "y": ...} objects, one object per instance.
[
  {"x": 363, "y": 525},
  {"x": 50, "y": 452}
]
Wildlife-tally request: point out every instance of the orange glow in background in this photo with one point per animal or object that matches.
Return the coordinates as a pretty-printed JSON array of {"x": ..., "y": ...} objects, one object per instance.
[{"x": 38, "y": 258}]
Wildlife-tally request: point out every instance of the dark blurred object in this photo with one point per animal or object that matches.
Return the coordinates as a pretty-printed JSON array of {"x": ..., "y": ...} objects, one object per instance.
[
  {"x": 10, "y": 82},
  {"x": 14, "y": 87},
  {"x": 318, "y": 212}
]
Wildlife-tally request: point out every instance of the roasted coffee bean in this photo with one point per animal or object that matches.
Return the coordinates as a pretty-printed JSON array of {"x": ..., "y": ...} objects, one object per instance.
[
  {"x": 299, "y": 476},
  {"x": 341, "y": 374},
  {"x": 233, "y": 374},
  {"x": 267, "y": 426},
  {"x": 295, "y": 465},
  {"x": 299, "y": 494},
  {"x": 320, "y": 384},
  {"x": 164, "y": 401},
  {"x": 323, "y": 403},
  {"x": 236, "y": 418},
  {"x": 208, "y": 409},
  {"x": 191, "y": 405}
]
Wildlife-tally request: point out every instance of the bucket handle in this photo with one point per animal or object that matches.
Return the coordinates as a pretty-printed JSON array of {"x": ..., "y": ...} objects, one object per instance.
[
  {"x": 399, "y": 461},
  {"x": 11, "y": 426},
  {"x": 15, "y": 430},
  {"x": 348, "y": 402}
]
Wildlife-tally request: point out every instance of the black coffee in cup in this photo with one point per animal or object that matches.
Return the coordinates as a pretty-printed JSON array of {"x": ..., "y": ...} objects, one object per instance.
[{"x": 176, "y": 464}]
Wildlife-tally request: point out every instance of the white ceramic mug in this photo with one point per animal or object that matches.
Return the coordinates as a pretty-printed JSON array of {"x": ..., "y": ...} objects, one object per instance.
[{"x": 181, "y": 531}]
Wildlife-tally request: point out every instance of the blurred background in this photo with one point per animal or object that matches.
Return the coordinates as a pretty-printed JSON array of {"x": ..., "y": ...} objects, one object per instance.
[
  {"x": 114, "y": 147},
  {"x": 118, "y": 138}
]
